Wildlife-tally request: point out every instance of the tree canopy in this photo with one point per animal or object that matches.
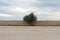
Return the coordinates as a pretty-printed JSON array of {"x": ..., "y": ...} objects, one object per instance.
[{"x": 30, "y": 18}]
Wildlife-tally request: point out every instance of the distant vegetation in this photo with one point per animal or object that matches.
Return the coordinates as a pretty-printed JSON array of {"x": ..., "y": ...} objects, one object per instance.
[{"x": 30, "y": 18}]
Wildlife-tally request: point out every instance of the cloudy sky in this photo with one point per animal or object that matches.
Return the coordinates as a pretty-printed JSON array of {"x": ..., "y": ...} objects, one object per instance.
[{"x": 17, "y": 9}]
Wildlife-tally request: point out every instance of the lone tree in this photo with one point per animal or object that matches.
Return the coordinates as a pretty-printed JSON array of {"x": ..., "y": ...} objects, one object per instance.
[{"x": 30, "y": 18}]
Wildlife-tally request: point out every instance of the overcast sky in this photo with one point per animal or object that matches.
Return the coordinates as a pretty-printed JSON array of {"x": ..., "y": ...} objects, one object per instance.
[{"x": 17, "y": 9}]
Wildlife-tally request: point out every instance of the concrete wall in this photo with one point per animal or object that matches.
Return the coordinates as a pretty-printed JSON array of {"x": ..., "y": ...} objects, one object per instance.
[{"x": 21, "y": 23}]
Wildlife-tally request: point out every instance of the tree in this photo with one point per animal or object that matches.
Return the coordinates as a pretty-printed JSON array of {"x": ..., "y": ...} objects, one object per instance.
[{"x": 30, "y": 18}]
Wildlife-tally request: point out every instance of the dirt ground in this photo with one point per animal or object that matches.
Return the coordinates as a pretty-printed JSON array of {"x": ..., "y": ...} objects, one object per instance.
[{"x": 29, "y": 32}]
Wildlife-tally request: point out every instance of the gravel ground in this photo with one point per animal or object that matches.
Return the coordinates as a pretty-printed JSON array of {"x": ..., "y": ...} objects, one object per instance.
[{"x": 29, "y": 32}]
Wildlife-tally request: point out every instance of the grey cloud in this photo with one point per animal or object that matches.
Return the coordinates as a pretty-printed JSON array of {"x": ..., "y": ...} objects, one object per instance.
[
  {"x": 52, "y": 5},
  {"x": 47, "y": 4}
]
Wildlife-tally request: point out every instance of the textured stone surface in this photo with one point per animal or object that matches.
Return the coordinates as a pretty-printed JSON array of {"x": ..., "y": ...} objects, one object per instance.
[{"x": 29, "y": 33}]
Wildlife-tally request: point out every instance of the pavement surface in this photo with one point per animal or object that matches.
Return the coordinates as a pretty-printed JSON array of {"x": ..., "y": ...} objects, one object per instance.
[{"x": 29, "y": 32}]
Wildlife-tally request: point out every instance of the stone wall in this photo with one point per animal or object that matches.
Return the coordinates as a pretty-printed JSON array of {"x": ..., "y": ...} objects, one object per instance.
[{"x": 21, "y": 23}]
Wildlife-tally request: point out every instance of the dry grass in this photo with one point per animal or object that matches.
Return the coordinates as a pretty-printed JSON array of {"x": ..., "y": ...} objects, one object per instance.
[{"x": 21, "y": 23}]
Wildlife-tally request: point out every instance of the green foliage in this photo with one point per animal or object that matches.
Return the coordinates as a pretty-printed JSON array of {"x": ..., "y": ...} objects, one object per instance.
[{"x": 30, "y": 18}]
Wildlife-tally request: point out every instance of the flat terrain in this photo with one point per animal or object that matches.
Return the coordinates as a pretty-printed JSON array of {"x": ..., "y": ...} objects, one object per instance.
[{"x": 29, "y": 32}]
